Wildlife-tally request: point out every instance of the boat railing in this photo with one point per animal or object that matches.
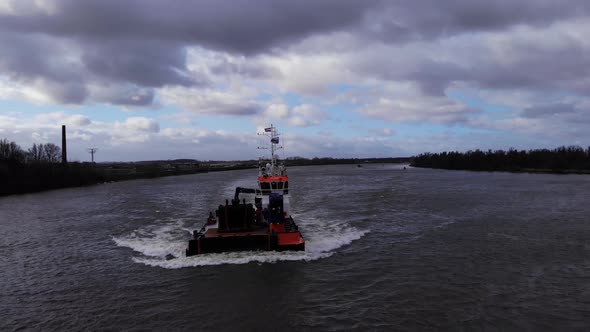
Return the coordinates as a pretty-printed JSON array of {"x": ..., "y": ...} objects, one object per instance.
[{"x": 272, "y": 171}]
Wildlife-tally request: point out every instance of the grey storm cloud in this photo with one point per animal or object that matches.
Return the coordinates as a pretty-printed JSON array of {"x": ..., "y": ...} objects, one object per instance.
[
  {"x": 131, "y": 97},
  {"x": 143, "y": 43},
  {"x": 233, "y": 109},
  {"x": 524, "y": 66},
  {"x": 242, "y": 25},
  {"x": 548, "y": 110},
  {"x": 67, "y": 93},
  {"x": 152, "y": 64},
  {"x": 254, "y": 70},
  {"x": 431, "y": 19},
  {"x": 31, "y": 56},
  {"x": 572, "y": 114}
]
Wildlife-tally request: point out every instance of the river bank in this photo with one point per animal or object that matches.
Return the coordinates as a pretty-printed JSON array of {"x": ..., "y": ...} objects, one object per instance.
[
  {"x": 562, "y": 160},
  {"x": 24, "y": 178},
  {"x": 513, "y": 170}
]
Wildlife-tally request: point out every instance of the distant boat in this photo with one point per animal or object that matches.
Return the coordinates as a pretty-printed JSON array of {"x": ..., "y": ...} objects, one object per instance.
[{"x": 359, "y": 166}]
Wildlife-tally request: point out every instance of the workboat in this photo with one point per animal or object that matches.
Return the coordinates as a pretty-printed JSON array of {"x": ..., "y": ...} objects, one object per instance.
[{"x": 265, "y": 224}]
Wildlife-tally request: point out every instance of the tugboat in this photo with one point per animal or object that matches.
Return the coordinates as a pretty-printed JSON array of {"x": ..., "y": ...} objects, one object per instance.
[{"x": 265, "y": 225}]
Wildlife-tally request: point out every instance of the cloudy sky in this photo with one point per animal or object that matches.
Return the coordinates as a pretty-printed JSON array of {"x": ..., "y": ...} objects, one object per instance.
[{"x": 148, "y": 79}]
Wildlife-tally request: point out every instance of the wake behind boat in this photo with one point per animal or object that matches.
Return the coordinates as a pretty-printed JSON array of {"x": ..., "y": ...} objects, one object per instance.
[{"x": 265, "y": 224}]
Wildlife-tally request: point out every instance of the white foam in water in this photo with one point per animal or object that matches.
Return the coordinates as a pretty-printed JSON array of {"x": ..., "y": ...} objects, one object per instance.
[{"x": 154, "y": 242}]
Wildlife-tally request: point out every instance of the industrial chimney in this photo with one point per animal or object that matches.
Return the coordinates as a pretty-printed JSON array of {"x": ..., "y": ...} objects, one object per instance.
[{"x": 64, "y": 150}]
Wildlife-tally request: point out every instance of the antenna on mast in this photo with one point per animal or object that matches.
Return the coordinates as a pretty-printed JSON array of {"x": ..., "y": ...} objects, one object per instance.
[{"x": 271, "y": 167}]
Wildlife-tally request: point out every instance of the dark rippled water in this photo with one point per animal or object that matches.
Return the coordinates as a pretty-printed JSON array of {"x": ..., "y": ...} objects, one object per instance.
[{"x": 388, "y": 249}]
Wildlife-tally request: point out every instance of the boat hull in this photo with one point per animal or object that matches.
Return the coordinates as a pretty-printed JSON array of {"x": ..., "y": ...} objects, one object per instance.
[{"x": 216, "y": 242}]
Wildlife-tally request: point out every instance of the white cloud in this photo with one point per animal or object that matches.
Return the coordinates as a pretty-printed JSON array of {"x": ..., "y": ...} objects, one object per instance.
[
  {"x": 209, "y": 101},
  {"x": 56, "y": 119},
  {"x": 440, "y": 110},
  {"x": 134, "y": 130},
  {"x": 7, "y": 122},
  {"x": 403, "y": 102},
  {"x": 80, "y": 134},
  {"x": 134, "y": 138},
  {"x": 277, "y": 111},
  {"x": 77, "y": 120},
  {"x": 27, "y": 7},
  {"x": 306, "y": 115},
  {"x": 32, "y": 92},
  {"x": 187, "y": 134},
  {"x": 138, "y": 124},
  {"x": 383, "y": 132},
  {"x": 309, "y": 74}
]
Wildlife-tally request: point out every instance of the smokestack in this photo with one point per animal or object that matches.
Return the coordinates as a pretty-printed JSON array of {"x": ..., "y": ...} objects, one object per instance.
[{"x": 64, "y": 150}]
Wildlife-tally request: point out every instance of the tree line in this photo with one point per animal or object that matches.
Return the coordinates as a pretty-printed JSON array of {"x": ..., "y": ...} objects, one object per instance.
[
  {"x": 40, "y": 168},
  {"x": 301, "y": 161},
  {"x": 38, "y": 153},
  {"x": 561, "y": 159}
]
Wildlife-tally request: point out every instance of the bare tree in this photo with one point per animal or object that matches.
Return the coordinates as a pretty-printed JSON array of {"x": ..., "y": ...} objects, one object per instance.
[
  {"x": 44, "y": 153},
  {"x": 35, "y": 153},
  {"x": 52, "y": 153},
  {"x": 10, "y": 151}
]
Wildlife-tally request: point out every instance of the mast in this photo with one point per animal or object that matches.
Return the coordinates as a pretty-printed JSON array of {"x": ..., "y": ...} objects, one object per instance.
[
  {"x": 272, "y": 133},
  {"x": 274, "y": 144}
]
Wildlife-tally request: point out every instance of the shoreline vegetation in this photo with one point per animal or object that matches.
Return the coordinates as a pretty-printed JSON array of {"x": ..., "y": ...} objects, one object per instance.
[
  {"x": 39, "y": 168},
  {"x": 562, "y": 160}
]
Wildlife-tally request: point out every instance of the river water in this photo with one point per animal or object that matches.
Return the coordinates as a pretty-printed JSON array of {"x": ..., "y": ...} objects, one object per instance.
[{"x": 387, "y": 249}]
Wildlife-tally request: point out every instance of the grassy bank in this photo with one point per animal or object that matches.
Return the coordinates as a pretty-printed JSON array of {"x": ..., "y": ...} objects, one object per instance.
[
  {"x": 19, "y": 178},
  {"x": 40, "y": 168}
]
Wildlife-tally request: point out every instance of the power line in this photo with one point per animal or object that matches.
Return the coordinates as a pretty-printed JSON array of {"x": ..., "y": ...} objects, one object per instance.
[{"x": 92, "y": 151}]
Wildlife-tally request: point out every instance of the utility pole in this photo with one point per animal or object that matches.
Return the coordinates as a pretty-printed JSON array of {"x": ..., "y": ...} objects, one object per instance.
[{"x": 92, "y": 152}]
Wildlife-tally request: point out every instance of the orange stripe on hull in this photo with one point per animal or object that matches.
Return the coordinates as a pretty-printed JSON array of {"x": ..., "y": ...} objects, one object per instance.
[
  {"x": 277, "y": 228},
  {"x": 286, "y": 239},
  {"x": 273, "y": 178}
]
